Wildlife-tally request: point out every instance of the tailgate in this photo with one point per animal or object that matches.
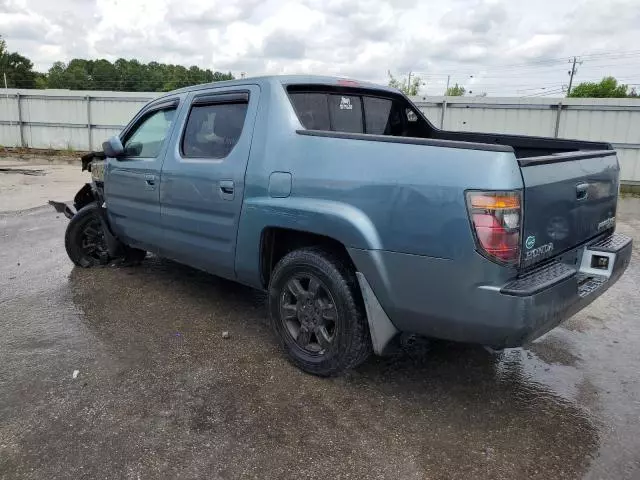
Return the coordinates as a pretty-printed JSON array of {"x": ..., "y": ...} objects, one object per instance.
[{"x": 569, "y": 198}]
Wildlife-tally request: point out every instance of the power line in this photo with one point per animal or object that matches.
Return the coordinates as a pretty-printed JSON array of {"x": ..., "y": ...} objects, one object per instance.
[{"x": 542, "y": 64}]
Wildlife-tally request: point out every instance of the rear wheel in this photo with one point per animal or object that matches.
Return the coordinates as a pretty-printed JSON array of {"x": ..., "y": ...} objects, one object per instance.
[
  {"x": 316, "y": 310},
  {"x": 84, "y": 239}
]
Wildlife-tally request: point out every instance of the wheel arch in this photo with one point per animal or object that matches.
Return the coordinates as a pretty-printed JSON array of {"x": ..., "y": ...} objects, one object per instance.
[
  {"x": 84, "y": 197},
  {"x": 303, "y": 222},
  {"x": 276, "y": 242}
]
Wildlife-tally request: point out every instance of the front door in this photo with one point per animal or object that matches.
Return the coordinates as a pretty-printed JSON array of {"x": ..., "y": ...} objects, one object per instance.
[
  {"x": 202, "y": 181},
  {"x": 132, "y": 182}
]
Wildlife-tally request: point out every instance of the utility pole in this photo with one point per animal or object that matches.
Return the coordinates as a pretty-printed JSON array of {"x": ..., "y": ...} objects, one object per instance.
[
  {"x": 409, "y": 82},
  {"x": 571, "y": 73},
  {"x": 6, "y": 91},
  {"x": 447, "y": 89}
]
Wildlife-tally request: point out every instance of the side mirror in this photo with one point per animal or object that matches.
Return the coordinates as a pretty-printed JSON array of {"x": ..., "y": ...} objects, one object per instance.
[{"x": 113, "y": 147}]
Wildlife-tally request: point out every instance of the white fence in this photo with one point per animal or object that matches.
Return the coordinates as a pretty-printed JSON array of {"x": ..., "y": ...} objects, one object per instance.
[
  {"x": 65, "y": 119},
  {"x": 612, "y": 120},
  {"x": 81, "y": 120}
]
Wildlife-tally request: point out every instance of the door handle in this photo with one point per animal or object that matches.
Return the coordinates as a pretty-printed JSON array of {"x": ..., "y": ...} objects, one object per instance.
[
  {"x": 227, "y": 188},
  {"x": 150, "y": 181}
]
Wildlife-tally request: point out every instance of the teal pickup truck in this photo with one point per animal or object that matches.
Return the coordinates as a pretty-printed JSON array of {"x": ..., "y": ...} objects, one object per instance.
[{"x": 360, "y": 218}]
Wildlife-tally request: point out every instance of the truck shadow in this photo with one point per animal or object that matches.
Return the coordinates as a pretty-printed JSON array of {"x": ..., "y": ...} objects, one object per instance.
[{"x": 444, "y": 410}]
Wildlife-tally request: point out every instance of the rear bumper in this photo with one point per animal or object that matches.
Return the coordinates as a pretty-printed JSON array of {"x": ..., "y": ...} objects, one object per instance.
[
  {"x": 443, "y": 299},
  {"x": 556, "y": 292}
]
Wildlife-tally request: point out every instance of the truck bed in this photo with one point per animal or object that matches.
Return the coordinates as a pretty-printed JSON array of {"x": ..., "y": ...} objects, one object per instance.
[{"x": 524, "y": 146}]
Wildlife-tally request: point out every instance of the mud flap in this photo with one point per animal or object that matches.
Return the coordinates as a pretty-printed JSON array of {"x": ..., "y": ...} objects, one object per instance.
[{"x": 381, "y": 329}]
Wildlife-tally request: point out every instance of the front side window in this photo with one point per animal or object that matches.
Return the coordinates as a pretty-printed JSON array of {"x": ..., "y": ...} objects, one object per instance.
[
  {"x": 213, "y": 130},
  {"x": 146, "y": 139}
]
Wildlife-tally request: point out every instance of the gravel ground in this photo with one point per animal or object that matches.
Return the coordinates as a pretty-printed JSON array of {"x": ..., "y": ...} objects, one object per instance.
[{"x": 124, "y": 373}]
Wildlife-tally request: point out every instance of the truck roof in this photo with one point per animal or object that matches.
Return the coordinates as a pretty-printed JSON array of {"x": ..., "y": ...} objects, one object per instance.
[{"x": 288, "y": 80}]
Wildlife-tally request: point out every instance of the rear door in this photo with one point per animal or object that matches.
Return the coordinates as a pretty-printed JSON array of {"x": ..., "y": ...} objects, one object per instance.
[
  {"x": 202, "y": 183},
  {"x": 569, "y": 198},
  {"x": 132, "y": 181}
]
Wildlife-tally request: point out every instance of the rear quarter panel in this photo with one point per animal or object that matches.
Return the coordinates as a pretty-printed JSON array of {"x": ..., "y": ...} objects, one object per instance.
[{"x": 368, "y": 195}]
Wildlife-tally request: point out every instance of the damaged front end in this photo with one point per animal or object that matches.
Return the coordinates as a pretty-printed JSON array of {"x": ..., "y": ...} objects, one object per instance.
[{"x": 93, "y": 162}]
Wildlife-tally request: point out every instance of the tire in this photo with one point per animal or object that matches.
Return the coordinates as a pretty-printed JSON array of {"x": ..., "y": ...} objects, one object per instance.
[
  {"x": 84, "y": 238},
  {"x": 322, "y": 334}
]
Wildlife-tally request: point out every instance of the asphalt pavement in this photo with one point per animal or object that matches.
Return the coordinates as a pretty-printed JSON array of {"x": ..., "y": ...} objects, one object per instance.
[{"x": 123, "y": 373}]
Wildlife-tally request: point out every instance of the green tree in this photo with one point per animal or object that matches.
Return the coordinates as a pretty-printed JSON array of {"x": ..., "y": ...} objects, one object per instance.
[
  {"x": 55, "y": 77},
  {"x": 41, "y": 80},
  {"x": 220, "y": 76},
  {"x": 455, "y": 91},
  {"x": 608, "y": 87},
  {"x": 130, "y": 75},
  {"x": 406, "y": 86},
  {"x": 103, "y": 75},
  {"x": 78, "y": 74},
  {"x": 18, "y": 69}
]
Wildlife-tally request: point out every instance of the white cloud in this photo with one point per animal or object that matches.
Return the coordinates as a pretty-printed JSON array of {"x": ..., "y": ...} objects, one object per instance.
[{"x": 472, "y": 40}]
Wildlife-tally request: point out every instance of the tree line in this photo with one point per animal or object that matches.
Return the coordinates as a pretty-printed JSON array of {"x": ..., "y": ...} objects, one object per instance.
[{"x": 121, "y": 75}]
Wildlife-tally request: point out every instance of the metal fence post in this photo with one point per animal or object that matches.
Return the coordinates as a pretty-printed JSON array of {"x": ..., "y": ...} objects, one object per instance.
[
  {"x": 22, "y": 142},
  {"x": 88, "y": 98},
  {"x": 442, "y": 113},
  {"x": 557, "y": 127}
]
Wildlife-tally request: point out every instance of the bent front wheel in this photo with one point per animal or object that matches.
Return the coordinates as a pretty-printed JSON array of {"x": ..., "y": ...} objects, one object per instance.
[{"x": 84, "y": 239}]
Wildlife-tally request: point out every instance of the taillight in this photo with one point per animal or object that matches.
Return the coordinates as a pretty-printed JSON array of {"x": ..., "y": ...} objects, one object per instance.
[{"x": 496, "y": 218}]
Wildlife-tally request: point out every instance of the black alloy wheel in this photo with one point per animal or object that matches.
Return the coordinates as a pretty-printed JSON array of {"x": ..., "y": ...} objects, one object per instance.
[
  {"x": 308, "y": 313},
  {"x": 317, "y": 311}
]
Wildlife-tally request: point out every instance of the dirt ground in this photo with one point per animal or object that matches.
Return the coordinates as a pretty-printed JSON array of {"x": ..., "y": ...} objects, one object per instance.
[
  {"x": 124, "y": 373},
  {"x": 31, "y": 183}
]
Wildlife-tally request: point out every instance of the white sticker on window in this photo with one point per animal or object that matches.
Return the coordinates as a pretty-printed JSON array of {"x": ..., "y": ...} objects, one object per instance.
[{"x": 345, "y": 104}]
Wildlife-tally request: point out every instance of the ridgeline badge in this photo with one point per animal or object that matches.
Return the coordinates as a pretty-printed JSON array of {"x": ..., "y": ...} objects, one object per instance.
[{"x": 531, "y": 241}]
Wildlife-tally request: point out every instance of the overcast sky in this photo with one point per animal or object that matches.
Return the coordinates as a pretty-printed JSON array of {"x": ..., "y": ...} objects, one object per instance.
[{"x": 513, "y": 47}]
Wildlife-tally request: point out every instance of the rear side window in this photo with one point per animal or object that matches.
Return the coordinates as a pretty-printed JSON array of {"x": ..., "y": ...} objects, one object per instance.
[
  {"x": 323, "y": 111},
  {"x": 377, "y": 112},
  {"x": 213, "y": 130},
  {"x": 336, "y": 109},
  {"x": 345, "y": 113},
  {"x": 312, "y": 110}
]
